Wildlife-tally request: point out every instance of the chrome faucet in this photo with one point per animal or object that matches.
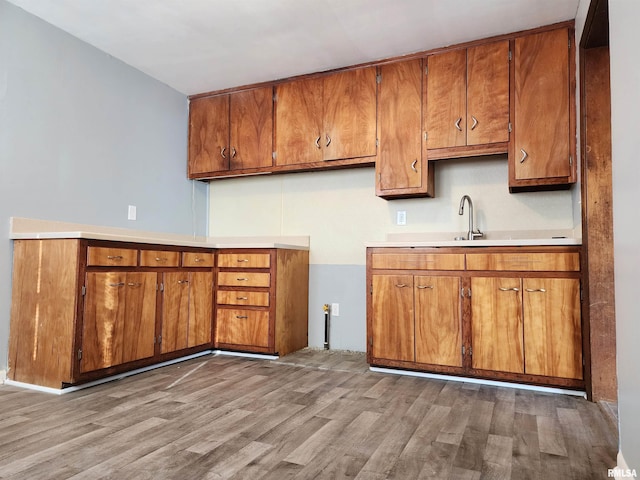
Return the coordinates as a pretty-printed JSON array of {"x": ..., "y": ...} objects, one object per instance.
[{"x": 471, "y": 234}]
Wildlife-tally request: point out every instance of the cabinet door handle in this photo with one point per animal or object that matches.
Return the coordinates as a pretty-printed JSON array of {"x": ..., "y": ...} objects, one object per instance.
[
  {"x": 524, "y": 155},
  {"x": 328, "y": 140},
  {"x": 458, "y": 123},
  {"x": 318, "y": 142},
  {"x": 413, "y": 165},
  {"x": 233, "y": 152},
  {"x": 222, "y": 150},
  {"x": 401, "y": 285},
  {"x": 134, "y": 284},
  {"x": 421, "y": 287},
  {"x": 535, "y": 290},
  {"x": 475, "y": 122},
  {"x": 183, "y": 281},
  {"x": 119, "y": 284},
  {"x": 513, "y": 289},
  {"x": 114, "y": 257},
  {"x": 242, "y": 316}
]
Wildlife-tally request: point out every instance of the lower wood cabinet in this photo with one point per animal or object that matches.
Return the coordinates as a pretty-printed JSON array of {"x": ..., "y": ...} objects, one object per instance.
[
  {"x": 262, "y": 300},
  {"x": 502, "y": 313}
]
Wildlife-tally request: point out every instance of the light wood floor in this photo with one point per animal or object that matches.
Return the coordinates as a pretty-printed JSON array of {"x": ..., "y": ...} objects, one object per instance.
[{"x": 313, "y": 414}]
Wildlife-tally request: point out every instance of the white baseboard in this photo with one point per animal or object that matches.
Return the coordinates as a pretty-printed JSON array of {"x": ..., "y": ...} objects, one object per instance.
[
  {"x": 3, "y": 376},
  {"x": 621, "y": 462}
]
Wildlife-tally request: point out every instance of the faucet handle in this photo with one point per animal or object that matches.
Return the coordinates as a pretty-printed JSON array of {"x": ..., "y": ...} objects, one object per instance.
[{"x": 476, "y": 234}]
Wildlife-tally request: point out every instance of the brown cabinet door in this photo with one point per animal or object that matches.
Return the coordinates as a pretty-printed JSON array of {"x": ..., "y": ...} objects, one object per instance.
[
  {"x": 399, "y": 164},
  {"x": 438, "y": 320},
  {"x": 552, "y": 329},
  {"x": 392, "y": 321},
  {"x": 446, "y": 99},
  {"x": 209, "y": 134},
  {"x": 496, "y": 324},
  {"x": 251, "y": 133},
  {"x": 119, "y": 319},
  {"x": 299, "y": 122},
  {"x": 349, "y": 118},
  {"x": 488, "y": 93},
  {"x": 243, "y": 327},
  {"x": 200, "y": 308},
  {"x": 175, "y": 312},
  {"x": 541, "y": 118}
]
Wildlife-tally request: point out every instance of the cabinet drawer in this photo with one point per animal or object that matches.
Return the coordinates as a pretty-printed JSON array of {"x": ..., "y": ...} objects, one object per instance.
[
  {"x": 111, "y": 257},
  {"x": 418, "y": 261},
  {"x": 244, "y": 260},
  {"x": 535, "y": 262},
  {"x": 192, "y": 259},
  {"x": 159, "y": 258},
  {"x": 237, "y": 297},
  {"x": 244, "y": 279},
  {"x": 242, "y": 327}
]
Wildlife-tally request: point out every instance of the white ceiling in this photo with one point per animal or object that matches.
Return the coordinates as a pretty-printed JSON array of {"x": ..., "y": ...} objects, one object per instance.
[{"x": 198, "y": 46}]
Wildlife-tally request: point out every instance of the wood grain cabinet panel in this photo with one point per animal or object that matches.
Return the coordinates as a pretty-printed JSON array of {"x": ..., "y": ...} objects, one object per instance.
[
  {"x": 248, "y": 328},
  {"x": 552, "y": 327},
  {"x": 244, "y": 279},
  {"x": 542, "y": 145},
  {"x": 112, "y": 257},
  {"x": 159, "y": 258},
  {"x": 193, "y": 259},
  {"x": 496, "y": 324},
  {"x": 327, "y": 118},
  {"x": 418, "y": 261},
  {"x": 401, "y": 167},
  {"x": 119, "y": 319},
  {"x": 525, "y": 261},
  {"x": 438, "y": 323},
  {"x": 240, "y": 297},
  {"x": 230, "y": 132},
  {"x": 467, "y": 100},
  {"x": 244, "y": 260}
]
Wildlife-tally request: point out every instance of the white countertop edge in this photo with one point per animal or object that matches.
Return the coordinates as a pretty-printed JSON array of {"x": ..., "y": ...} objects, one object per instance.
[
  {"x": 31, "y": 229},
  {"x": 520, "y": 242}
]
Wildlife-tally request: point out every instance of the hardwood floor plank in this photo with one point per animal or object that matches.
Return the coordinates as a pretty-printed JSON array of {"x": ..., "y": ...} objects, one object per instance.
[
  {"x": 496, "y": 463},
  {"x": 550, "y": 439},
  {"x": 526, "y": 450}
]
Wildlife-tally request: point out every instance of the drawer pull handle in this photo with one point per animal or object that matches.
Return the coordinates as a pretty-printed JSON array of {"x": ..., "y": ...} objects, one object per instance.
[
  {"x": 513, "y": 289},
  {"x": 535, "y": 290},
  {"x": 183, "y": 281},
  {"x": 242, "y": 316},
  {"x": 120, "y": 284},
  {"x": 161, "y": 259},
  {"x": 115, "y": 257},
  {"x": 134, "y": 284},
  {"x": 425, "y": 286},
  {"x": 401, "y": 285},
  {"x": 243, "y": 260},
  {"x": 198, "y": 259},
  {"x": 242, "y": 279},
  {"x": 242, "y": 298}
]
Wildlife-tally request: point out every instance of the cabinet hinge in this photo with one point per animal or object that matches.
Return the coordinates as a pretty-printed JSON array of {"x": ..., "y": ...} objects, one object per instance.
[
  {"x": 470, "y": 351},
  {"x": 379, "y": 78},
  {"x": 469, "y": 292},
  {"x": 569, "y": 43},
  {"x": 377, "y": 142},
  {"x": 510, "y": 55},
  {"x": 462, "y": 292},
  {"x": 159, "y": 339},
  {"x": 571, "y": 160},
  {"x": 274, "y": 155},
  {"x": 275, "y": 97},
  {"x": 84, "y": 290},
  {"x": 371, "y": 341},
  {"x": 426, "y": 136},
  {"x": 371, "y": 290},
  {"x": 161, "y": 287},
  {"x": 463, "y": 350},
  {"x": 510, "y": 127},
  {"x": 80, "y": 354},
  {"x": 426, "y": 70}
]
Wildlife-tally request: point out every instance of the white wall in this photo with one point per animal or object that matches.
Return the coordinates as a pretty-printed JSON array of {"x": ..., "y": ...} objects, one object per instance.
[
  {"x": 82, "y": 136},
  {"x": 340, "y": 212},
  {"x": 624, "y": 37}
]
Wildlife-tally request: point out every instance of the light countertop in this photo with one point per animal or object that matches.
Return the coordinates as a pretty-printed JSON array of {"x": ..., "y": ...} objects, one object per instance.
[
  {"x": 27, "y": 228},
  {"x": 492, "y": 239}
]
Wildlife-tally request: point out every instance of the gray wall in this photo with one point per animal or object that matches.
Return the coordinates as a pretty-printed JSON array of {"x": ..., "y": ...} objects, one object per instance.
[
  {"x": 82, "y": 136},
  {"x": 625, "y": 101}
]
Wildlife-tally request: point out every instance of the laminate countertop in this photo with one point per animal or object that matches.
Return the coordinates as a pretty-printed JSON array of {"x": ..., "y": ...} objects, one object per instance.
[{"x": 32, "y": 229}]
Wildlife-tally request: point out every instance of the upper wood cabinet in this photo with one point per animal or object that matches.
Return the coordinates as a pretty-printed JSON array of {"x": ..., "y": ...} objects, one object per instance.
[
  {"x": 326, "y": 118},
  {"x": 231, "y": 132},
  {"x": 543, "y": 143},
  {"x": 467, "y": 100},
  {"x": 401, "y": 167}
]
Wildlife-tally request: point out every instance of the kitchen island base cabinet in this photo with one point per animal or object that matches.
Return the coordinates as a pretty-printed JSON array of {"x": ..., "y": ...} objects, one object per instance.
[
  {"x": 262, "y": 300},
  {"x": 501, "y": 313}
]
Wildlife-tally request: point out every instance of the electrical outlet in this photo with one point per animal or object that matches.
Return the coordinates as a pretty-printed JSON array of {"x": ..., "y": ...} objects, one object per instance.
[
  {"x": 401, "y": 217},
  {"x": 335, "y": 309},
  {"x": 131, "y": 215}
]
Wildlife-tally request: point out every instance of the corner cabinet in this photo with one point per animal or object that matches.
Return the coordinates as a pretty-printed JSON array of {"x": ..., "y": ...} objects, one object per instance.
[
  {"x": 542, "y": 149},
  {"x": 86, "y": 309},
  {"x": 492, "y": 312},
  {"x": 262, "y": 300}
]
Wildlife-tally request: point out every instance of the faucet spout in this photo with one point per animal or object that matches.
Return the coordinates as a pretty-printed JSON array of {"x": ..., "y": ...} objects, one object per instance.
[{"x": 472, "y": 233}]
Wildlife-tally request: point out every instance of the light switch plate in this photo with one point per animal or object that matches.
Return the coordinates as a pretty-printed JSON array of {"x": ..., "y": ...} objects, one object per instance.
[
  {"x": 401, "y": 217},
  {"x": 132, "y": 212},
  {"x": 335, "y": 309}
]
